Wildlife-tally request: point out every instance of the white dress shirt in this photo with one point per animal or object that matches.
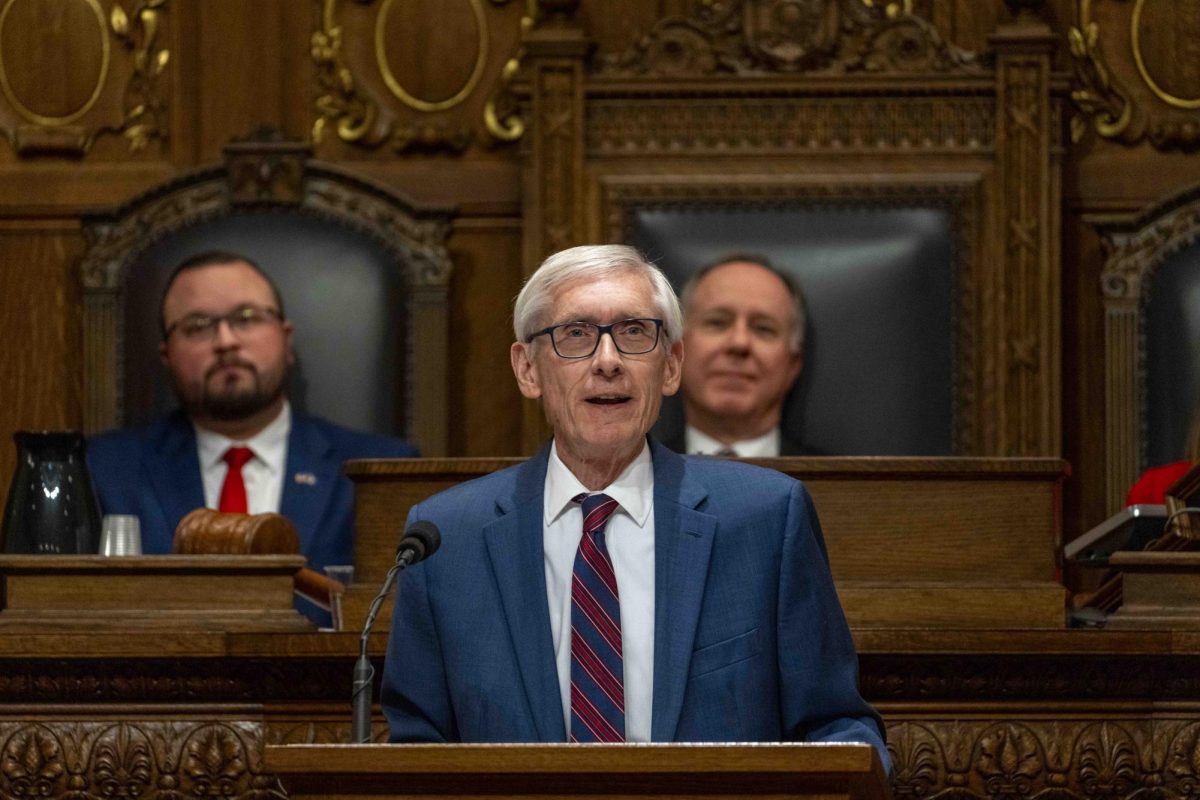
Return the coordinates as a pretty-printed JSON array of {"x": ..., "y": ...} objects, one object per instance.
[
  {"x": 629, "y": 537},
  {"x": 697, "y": 442},
  {"x": 262, "y": 474}
]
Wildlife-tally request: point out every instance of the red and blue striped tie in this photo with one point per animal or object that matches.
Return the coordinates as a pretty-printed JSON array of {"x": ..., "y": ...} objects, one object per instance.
[{"x": 597, "y": 675}]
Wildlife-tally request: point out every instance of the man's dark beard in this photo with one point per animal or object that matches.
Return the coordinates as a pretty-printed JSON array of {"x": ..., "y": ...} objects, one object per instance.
[{"x": 231, "y": 408}]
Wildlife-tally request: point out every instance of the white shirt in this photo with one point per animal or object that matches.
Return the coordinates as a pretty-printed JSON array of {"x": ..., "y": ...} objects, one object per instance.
[
  {"x": 698, "y": 442},
  {"x": 262, "y": 474},
  {"x": 629, "y": 537}
]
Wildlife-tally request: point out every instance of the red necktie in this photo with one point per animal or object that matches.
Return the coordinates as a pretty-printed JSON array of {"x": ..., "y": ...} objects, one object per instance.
[
  {"x": 233, "y": 491},
  {"x": 597, "y": 669}
]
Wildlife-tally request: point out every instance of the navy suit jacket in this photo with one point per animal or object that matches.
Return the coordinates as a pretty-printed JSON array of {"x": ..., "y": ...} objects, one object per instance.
[
  {"x": 154, "y": 472},
  {"x": 750, "y": 643}
]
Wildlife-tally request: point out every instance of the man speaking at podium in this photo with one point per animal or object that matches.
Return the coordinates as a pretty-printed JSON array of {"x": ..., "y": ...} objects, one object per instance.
[{"x": 608, "y": 589}]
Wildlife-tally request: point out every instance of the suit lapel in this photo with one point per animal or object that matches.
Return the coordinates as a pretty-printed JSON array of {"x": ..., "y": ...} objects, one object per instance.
[
  {"x": 174, "y": 471},
  {"x": 309, "y": 478},
  {"x": 683, "y": 540},
  {"x": 515, "y": 549}
]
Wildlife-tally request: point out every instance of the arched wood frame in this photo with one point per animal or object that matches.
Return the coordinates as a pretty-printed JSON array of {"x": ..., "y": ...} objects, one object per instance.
[
  {"x": 723, "y": 100},
  {"x": 273, "y": 174},
  {"x": 1135, "y": 250}
]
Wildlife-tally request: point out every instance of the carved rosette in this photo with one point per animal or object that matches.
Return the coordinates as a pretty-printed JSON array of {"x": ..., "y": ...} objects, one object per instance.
[
  {"x": 1137, "y": 72},
  {"x": 754, "y": 37}
]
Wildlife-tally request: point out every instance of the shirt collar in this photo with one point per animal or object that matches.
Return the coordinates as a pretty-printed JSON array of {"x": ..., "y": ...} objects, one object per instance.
[
  {"x": 269, "y": 444},
  {"x": 633, "y": 489},
  {"x": 765, "y": 446}
]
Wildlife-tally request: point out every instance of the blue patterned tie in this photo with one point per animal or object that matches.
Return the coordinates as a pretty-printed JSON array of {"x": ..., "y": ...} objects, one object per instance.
[{"x": 597, "y": 675}]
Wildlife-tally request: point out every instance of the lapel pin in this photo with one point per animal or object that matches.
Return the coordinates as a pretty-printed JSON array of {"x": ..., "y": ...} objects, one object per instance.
[{"x": 306, "y": 478}]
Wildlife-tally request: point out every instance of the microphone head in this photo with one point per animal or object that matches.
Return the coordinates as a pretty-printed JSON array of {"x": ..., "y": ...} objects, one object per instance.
[{"x": 423, "y": 538}]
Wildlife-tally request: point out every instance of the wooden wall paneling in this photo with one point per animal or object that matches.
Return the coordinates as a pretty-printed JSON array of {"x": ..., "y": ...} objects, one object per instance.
[
  {"x": 1084, "y": 421},
  {"x": 485, "y": 406},
  {"x": 41, "y": 362},
  {"x": 239, "y": 51},
  {"x": 1028, "y": 292}
]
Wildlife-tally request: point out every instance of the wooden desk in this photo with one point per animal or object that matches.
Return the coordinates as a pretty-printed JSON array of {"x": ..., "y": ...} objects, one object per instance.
[{"x": 913, "y": 542}]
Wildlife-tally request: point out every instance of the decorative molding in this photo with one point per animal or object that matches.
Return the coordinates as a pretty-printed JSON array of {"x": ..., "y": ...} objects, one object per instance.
[
  {"x": 1069, "y": 757},
  {"x": 139, "y": 114},
  {"x": 756, "y": 37},
  {"x": 1116, "y": 89},
  {"x": 621, "y": 196},
  {"x": 1026, "y": 374},
  {"x": 152, "y": 759},
  {"x": 377, "y": 111},
  {"x": 145, "y": 109},
  {"x": 744, "y": 124}
]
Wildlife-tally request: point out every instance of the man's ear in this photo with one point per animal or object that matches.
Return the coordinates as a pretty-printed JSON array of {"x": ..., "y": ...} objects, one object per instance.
[
  {"x": 289, "y": 341},
  {"x": 525, "y": 370},
  {"x": 162, "y": 354},
  {"x": 673, "y": 369},
  {"x": 795, "y": 367}
]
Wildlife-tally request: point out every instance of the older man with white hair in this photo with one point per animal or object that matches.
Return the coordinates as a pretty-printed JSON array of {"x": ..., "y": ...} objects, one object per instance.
[{"x": 608, "y": 589}]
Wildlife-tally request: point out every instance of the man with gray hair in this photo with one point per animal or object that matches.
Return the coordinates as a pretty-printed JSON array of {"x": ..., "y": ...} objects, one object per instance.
[
  {"x": 744, "y": 333},
  {"x": 609, "y": 590}
]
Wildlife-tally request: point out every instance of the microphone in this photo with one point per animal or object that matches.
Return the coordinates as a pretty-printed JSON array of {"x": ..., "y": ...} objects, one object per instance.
[{"x": 419, "y": 542}]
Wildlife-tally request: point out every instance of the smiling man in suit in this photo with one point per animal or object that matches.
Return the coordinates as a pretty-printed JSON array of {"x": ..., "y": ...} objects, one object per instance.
[
  {"x": 609, "y": 589},
  {"x": 235, "y": 444}
]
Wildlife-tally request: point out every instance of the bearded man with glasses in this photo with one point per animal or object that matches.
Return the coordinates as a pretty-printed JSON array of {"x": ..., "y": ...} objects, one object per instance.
[
  {"x": 608, "y": 589},
  {"x": 235, "y": 444}
]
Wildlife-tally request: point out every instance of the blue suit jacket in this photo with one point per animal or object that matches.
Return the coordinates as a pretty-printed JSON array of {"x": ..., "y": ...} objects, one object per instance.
[
  {"x": 154, "y": 472},
  {"x": 750, "y": 640}
]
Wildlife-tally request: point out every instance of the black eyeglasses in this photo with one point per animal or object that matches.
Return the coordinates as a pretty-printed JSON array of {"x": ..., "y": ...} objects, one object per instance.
[
  {"x": 203, "y": 327},
  {"x": 580, "y": 339}
]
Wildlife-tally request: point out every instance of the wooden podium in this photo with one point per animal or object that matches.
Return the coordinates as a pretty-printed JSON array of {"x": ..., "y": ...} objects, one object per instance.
[{"x": 710, "y": 771}]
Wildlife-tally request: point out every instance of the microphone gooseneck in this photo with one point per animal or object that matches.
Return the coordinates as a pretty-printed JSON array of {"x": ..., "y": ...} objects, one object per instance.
[{"x": 419, "y": 542}]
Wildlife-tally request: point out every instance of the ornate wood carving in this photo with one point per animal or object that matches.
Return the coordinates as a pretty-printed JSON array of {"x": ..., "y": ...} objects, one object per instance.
[
  {"x": 735, "y": 122},
  {"x": 750, "y": 37},
  {"x": 1133, "y": 251},
  {"x": 88, "y": 102},
  {"x": 365, "y": 103},
  {"x": 1026, "y": 373},
  {"x": 170, "y": 760},
  {"x": 1129, "y": 85},
  {"x": 270, "y": 173}
]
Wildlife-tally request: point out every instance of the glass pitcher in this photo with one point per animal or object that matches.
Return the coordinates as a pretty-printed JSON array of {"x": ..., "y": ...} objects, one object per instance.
[{"x": 51, "y": 502}]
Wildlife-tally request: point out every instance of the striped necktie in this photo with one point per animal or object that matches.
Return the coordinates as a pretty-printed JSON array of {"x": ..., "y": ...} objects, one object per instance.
[{"x": 597, "y": 675}]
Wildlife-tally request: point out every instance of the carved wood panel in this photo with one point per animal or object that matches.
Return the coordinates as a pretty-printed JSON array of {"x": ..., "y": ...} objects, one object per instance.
[
  {"x": 425, "y": 76},
  {"x": 1137, "y": 72},
  {"x": 115, "y": 81}
]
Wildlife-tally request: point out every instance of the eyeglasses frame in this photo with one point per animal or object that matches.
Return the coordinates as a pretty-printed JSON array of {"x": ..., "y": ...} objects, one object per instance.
[{"x": 600, "y": 331}]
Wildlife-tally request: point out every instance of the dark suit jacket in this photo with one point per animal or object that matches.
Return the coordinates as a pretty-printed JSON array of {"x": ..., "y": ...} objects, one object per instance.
[
  {"x": 750, "y": 641},
  {"x": 788, "y": 445},
  {"x": 154, "y": 472}
]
